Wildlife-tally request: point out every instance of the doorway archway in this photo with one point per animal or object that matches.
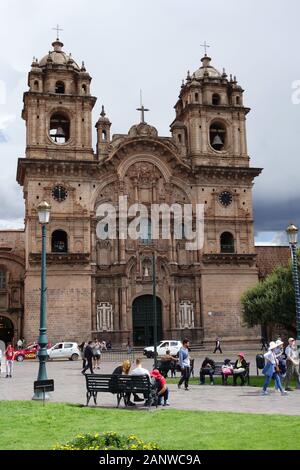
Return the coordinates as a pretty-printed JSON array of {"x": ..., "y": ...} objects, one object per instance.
[
  {"x": 6, "y": 330},
  {"x": 143, "y": 320}
]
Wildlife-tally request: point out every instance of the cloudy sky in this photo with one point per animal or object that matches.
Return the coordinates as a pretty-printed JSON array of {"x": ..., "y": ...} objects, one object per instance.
[{"x": 150, "y": 44}]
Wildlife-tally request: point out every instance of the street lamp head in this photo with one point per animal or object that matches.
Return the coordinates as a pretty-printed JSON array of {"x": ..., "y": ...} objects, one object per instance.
[
  {"x": 292, "y": 232},
  {"x": 44, "y": 212}
]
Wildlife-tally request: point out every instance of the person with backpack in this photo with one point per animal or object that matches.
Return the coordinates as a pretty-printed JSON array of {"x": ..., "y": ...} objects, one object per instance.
[{"x": 271, "y": 369}]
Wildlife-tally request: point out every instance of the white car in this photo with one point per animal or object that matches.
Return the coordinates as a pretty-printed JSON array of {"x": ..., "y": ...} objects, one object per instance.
[
  {"x": 65, "y": 351},
  {"x": 162, "y": 347}
]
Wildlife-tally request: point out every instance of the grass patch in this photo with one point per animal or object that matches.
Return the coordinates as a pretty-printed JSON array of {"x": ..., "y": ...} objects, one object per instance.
[{"x": 29, "y": 425}]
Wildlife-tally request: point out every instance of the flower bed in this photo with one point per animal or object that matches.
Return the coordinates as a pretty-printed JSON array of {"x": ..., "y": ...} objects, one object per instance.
[{"x": 106, "y": 441}]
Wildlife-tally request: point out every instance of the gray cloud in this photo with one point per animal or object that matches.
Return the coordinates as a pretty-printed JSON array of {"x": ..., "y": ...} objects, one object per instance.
[{"x": 150, "y": 45}]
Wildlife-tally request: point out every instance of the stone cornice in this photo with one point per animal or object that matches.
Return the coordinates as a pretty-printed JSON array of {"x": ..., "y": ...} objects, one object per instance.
[
  {"x": 226, "y": 258},
  {"x": 230, "y": 173},
  {"x": 61, "y": 258}
]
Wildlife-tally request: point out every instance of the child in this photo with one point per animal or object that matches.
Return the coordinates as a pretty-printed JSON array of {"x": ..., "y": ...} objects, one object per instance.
[{"x": 227, "y": 370}]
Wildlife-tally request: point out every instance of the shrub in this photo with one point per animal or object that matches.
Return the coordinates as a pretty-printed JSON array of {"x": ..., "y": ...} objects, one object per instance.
[{"x": 106, "y": 441}]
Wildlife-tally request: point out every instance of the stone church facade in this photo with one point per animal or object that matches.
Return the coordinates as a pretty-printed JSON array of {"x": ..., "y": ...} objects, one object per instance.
[{"x": 104, "y": 287}]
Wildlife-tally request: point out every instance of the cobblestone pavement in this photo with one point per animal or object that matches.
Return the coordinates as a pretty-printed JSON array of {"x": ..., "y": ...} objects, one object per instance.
[{"x": 70, "y": 387}]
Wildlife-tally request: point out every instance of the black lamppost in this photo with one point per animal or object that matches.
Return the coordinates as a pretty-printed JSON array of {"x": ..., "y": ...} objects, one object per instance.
[
  {"x": 154, "y": 308},
  {"x": 154, "y": 304},
  {"x": 292, "y": 233},
  {"x": 44, "y": 217}
]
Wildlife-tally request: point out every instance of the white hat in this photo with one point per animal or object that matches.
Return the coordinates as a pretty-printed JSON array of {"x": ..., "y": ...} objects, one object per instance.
[
  {"x": 279, "y": 342},
  {"x": 272, "y": 345}
]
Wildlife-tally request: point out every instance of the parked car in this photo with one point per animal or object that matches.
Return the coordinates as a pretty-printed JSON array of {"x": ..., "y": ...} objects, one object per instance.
[
  {"x": 67, "y": 350},
  {"x": 30, "y": 352},
  {"x": 162, "y": 347}
]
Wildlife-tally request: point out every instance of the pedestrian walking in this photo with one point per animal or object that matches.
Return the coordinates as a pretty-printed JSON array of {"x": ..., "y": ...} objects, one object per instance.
[
  {"x": 271, "y": 369},
  {"x": 88, "y": 355},
  {"x": 185, "y": 364},
  {"x": 19, "y": 344},
  {"x": 97, "y": 354},
  {"x": 264, "y": 344},
  {"x": 9, "y": 354},
  {"x": 292, "y": 364},
  {"x": 81, "y": 349},
  {"x": 218, "y": 346}
]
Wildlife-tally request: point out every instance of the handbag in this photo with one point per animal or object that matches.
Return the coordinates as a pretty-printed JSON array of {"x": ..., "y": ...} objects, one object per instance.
[{"x": 240, "y": 370}]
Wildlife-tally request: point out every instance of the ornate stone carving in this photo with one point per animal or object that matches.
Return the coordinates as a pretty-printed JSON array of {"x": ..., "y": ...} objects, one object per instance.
[
  {"x": 104, "y": 317},
  {"x": 186, "y": 315}
]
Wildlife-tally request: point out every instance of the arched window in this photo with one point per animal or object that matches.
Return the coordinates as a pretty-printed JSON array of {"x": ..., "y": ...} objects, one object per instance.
[
  {"x": 216, "y": 99},
  {"x": 227, "y": 243},
  {"x": 196, "y": 96},
  {"x": 59, "y": 242},
  {"x": 217, "y": 135},
  {"x": 2, "y": 279},
  {"x": 237, "y": 100},
  {"x": 36, "y": 85},
  {"x": 103, "y": 135},
  {"x": 145, "y": 231},
  {"x": 60, "y": 88},
  {"x": 84, "y": 89},
  {"x": 59, "y": 128}
]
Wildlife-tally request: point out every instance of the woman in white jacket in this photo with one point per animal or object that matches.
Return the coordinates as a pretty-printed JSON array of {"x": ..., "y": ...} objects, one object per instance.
[{"x": 271, "y": 369}]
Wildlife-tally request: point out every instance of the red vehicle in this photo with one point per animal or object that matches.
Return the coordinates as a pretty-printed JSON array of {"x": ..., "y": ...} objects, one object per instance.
[{"x": 28, "y": 353}]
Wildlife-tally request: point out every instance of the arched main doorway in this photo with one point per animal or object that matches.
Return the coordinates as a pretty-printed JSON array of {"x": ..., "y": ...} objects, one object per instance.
[
  {"x": 143, "y": 320},
  {"x": 6, "y": 330}
]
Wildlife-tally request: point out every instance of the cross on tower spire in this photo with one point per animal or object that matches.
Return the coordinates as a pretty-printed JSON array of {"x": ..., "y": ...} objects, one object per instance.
[
  {"x": 57, "y": 29},
  {"x": 142, "y": 109},
  {"x": 205, "y": 47}
]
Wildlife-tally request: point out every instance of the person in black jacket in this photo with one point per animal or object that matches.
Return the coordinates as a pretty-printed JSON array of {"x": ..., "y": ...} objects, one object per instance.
[
  {"x": 239, "y": 369},
  {"x": 88, "y": 355},
  {"x": 207, "y": 368},
  {"x": 218, "y": 346}
]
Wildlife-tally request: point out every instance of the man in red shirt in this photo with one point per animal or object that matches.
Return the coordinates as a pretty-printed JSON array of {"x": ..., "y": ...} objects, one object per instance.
[
  {"x": 9, "y": 354},
  {"x": 163, "y": 391}
]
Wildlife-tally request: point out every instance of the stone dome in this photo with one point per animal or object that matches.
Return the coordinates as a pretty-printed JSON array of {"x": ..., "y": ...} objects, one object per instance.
[
  {"x": 142, "y": 130},
  {"x": 207, "y": 69},
  {"x": 58, "y": 57}
]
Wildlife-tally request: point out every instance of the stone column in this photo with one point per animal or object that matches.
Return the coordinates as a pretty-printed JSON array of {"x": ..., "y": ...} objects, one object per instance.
[
  {"x": 124, "y": 308},
  {"x": 172, "y": 307},
  {"x": 198, "y": 322},
  {"x": 116, "y": 310}
]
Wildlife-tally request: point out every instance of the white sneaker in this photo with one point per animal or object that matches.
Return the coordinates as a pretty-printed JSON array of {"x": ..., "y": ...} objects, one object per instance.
[
  {"x": 284, "y": 392},
  {"x": 264, "y": 392}
]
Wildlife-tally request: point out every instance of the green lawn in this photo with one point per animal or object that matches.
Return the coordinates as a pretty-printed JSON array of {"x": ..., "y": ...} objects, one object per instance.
[{"x": 29, "y": 425}]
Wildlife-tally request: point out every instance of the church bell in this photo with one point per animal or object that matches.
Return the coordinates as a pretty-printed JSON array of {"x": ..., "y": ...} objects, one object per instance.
[{"x": 217, "y": 141}]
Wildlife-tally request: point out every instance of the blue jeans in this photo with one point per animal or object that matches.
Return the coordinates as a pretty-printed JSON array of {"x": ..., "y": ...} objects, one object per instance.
[
  {"x": 277, "y": 382},
  {"x": 165, "y": 396}
]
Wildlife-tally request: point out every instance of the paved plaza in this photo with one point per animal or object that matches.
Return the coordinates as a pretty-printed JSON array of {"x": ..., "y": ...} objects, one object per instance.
[{"x": 70, "y": 387}]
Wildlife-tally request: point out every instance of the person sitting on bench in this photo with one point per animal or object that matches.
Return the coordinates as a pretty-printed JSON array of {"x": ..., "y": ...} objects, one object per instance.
[
  {"x": 124, "y": 369},
  {"x": 207, "y": 368},
  {"x": 227, "y": 371},
  {"x": 239, "y": 369}
]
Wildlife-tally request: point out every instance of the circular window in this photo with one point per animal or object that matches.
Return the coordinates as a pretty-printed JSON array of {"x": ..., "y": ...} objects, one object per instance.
[
  {"x": 225, "y": 198},
  {"x": 217, "y": 136},
  {"x": 59, "y": 128}
]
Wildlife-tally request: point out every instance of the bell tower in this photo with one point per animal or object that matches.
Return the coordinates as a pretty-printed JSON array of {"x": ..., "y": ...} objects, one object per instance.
[
  {"x": 210, "y": 118},
  {"x": 58, "y": 108},
  {"x": 59, "y": 168}
]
